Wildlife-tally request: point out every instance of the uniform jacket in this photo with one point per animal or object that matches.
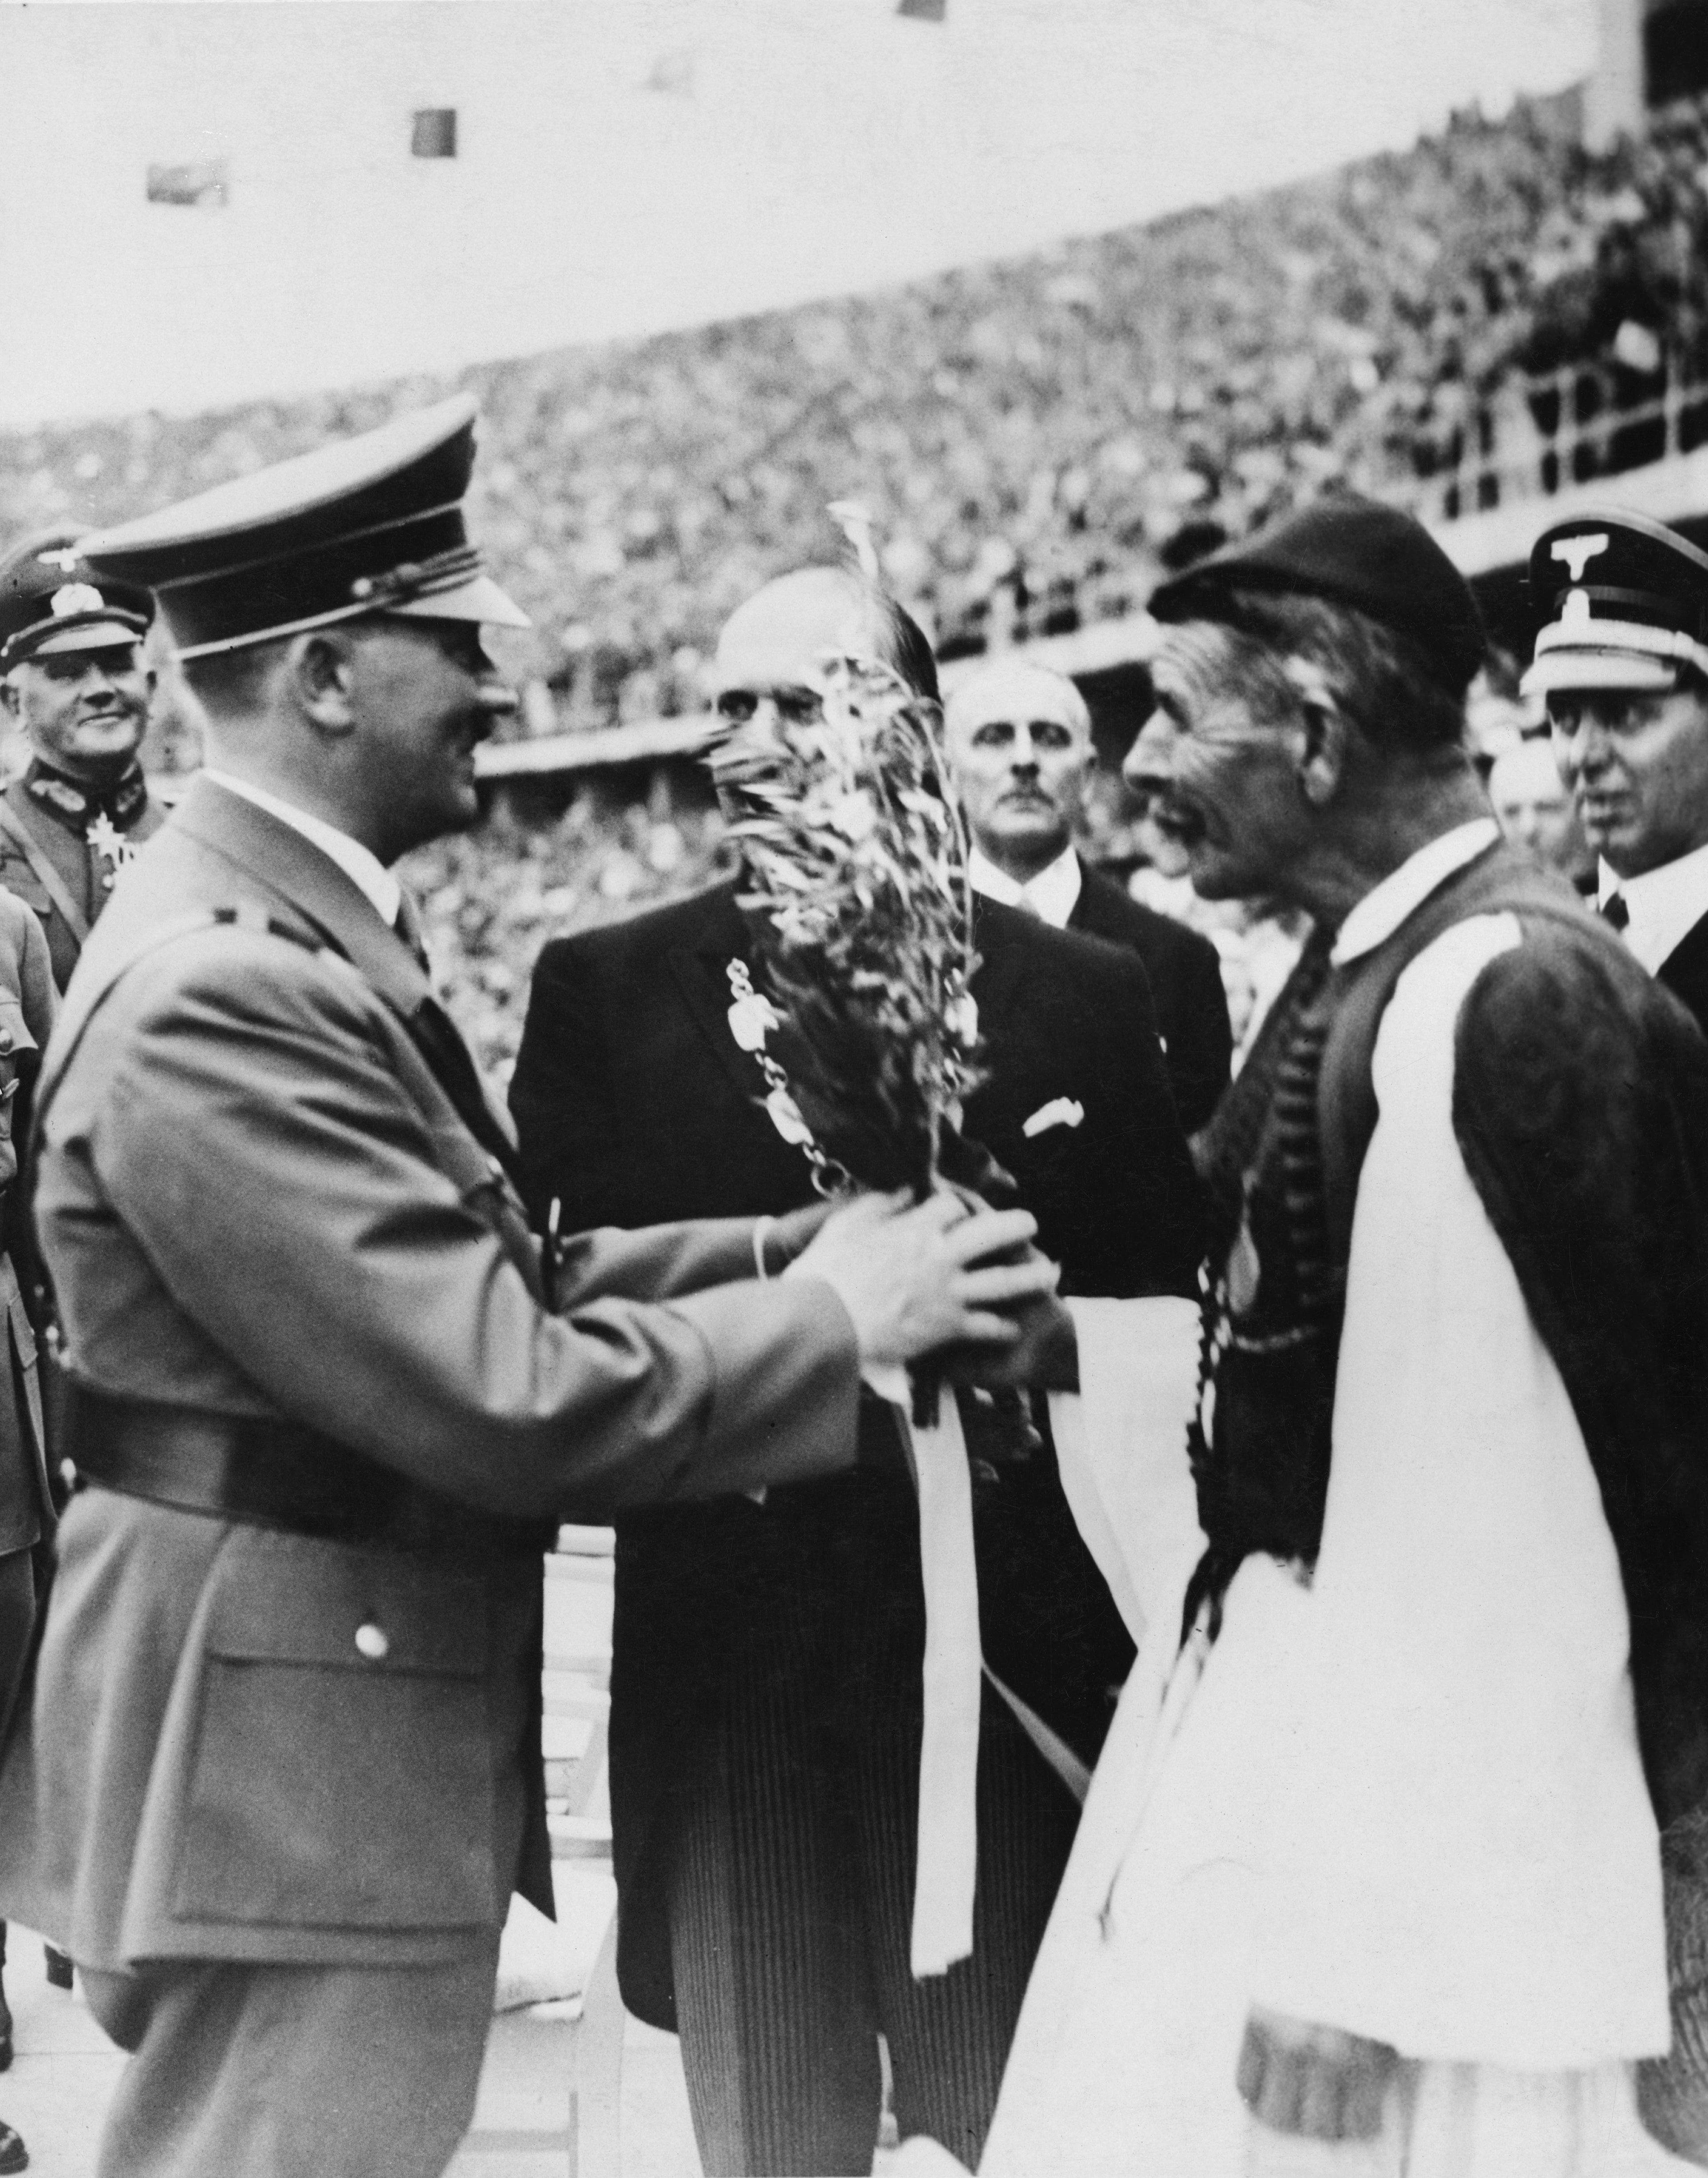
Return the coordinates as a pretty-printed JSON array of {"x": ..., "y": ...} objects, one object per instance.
[
  {"x": 1185, "y": 987},
  {"x": 28, "y": 1004},
  {"x": 57, "y": 814},
  {"x": 634, "y": 1103},
  {"x": 255, "y": 1196}
]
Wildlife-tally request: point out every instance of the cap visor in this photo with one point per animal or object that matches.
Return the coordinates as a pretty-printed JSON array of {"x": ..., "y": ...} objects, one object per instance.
[
  {"x": 479, "y": 598},
  {"x": 87, "y": 635},
  {"x": 1597, "y": 668}
]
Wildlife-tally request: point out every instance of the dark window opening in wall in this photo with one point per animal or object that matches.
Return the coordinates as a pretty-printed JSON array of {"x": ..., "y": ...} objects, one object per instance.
[
  {"x": 1675, "y": 51},
  {"x": 433, "y": 134},
  {"x": 205, "y": 182}
]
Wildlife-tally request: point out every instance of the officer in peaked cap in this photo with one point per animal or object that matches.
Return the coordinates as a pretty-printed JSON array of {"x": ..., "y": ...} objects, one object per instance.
[
  {"x": 1621, "y": 663},
  {"x": 73, "y": 676},
  {"x": 279, "y": 1769}
]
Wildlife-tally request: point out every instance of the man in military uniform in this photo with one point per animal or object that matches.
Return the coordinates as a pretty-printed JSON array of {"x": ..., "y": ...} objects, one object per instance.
[
  {"x": 73, "y": 676},
  {"x": 281, "y": 1769},
  {"x": 1622, "y": 660},
  {"x": 28, "y": 1004}
]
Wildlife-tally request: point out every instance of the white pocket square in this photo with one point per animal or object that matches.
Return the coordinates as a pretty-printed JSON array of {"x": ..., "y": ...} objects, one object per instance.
[{"x": 1062, "y": 1112}]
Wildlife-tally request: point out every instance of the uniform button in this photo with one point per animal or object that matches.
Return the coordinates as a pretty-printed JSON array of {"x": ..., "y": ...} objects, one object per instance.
[{"x": 372, "y": 1641}]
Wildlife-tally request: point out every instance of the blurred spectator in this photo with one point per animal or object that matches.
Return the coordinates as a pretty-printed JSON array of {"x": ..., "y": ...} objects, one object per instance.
[
  {"x": 1536, "y": 808},
  {"x": 1036, "y": 439}
]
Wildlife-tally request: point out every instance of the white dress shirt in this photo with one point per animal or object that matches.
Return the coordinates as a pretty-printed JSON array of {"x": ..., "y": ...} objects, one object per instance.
[
  {"x": 363, "y": 869},
  {"x": 1665, "y": 905},
  {"x": 1051, "y": 895}
]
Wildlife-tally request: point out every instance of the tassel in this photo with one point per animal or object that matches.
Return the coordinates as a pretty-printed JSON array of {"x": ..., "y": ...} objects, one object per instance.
[{"x": 854, "y": 520}]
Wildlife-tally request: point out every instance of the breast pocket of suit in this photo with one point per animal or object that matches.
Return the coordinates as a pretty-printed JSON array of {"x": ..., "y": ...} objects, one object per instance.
[{"x": 341, "y": 1776}]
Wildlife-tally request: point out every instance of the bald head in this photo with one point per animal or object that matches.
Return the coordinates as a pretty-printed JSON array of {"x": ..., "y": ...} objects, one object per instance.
[
  {"x": 778, "y": 641},
  {"x": 1018, "y": 741},
  {"x": 1536, "y": 809}
]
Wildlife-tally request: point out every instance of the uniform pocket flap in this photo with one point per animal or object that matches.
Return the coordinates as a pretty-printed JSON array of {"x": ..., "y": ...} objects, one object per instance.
[
  {"x": 23, "y": 883},
  {"x": 287, "y": 1599},
  {"x": 14, "y": 1029}
]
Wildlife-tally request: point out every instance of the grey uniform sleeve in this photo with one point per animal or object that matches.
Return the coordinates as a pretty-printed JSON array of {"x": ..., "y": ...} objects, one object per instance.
[{"x": 255, "y": 1146}]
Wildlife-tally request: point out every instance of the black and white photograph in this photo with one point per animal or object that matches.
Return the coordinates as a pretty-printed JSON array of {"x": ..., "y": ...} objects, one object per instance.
[{"x": 853, "y": 1088}]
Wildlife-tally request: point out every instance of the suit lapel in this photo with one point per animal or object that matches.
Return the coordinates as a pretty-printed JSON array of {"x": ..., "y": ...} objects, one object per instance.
[
  {"x": 1685, "y": 970},
  {"x": 1001, "y": 976},
  {"x": 1088, "y": 917}
]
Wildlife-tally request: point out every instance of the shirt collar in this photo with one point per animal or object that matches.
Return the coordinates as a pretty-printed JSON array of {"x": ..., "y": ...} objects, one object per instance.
[
  {"x": 1665, "y": 905},
  {"x": 1052, "y": 894},
  {"x": 1385, "y": 906},
  {"x": 363, "y": 869}
]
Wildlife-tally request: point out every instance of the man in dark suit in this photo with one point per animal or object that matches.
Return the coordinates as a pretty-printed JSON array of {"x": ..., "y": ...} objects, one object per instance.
[
  {"x": 766, "y": 1681},
  {"x": 73, "y": 677},
  {"x": 281, "y": 1769},
  {"x": 1622, "y": 658},
  {"x": 1019, "y": 744}
]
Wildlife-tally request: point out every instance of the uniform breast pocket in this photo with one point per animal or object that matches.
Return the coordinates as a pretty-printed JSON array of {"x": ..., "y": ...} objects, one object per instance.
[
  {"x": 23, "y": 883},
  {"x": 341, "y": 1776}
]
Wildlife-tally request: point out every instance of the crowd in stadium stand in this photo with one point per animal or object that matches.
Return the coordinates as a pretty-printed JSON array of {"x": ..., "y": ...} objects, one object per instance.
[{"x": 1035, "y": 438}]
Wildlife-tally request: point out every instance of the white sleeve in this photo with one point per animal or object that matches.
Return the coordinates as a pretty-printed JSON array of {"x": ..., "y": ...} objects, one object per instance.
[{"x": 1462, "y": 1856}]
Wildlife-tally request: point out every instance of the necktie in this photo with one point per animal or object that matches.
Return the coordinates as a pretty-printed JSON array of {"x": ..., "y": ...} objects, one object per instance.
[
  {"x": 1615, "y": 910},
  {"x": 440, "y": 1043}
]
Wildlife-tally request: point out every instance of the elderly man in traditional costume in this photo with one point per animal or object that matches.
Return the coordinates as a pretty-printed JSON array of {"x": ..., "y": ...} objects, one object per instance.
[{"x": 1369, "y": 1879}]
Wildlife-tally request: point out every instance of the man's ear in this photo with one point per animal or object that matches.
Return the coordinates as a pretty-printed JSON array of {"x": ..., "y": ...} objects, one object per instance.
[
  {"x": 10, "y": 701},
  {"x": 321, "y": 666},
  {"x": 1322, "y": 762},
  {"x": 1322, "y": 737}
]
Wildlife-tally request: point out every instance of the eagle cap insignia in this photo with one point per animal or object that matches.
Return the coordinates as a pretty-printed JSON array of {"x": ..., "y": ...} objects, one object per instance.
[
  {"x": 72, "y": 597},
  {"x": 1575, "y": 553}
]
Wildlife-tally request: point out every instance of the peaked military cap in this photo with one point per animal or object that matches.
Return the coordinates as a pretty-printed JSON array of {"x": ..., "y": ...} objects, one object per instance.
[
  {"x": 1622, "y": 602},
  {"x": 1351, "y": 552},
  {"x": 51, "y": 601},
  {"x": 372, "y": 524}
]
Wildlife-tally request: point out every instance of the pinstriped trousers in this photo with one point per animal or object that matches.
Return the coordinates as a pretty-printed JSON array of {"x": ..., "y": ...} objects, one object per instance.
[{"x": 792, "y": 1879}]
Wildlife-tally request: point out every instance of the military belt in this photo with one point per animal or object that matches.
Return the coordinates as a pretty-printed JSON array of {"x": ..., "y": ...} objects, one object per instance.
[{"x": 275, "y": 1473}]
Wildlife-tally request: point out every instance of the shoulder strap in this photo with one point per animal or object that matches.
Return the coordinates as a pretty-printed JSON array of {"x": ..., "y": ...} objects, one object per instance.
[
  {"x": 13, "y": 826},
  {"x": 1500, "y": 880}
]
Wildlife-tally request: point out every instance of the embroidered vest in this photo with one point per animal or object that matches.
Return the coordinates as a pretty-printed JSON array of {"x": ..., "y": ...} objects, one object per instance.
[{"x": 1280, "y": 1161}]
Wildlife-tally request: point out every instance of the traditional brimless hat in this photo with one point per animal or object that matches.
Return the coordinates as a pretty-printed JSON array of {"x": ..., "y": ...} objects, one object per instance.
[
  {"x": 1351, "y": 552},
  {"x": 51, "y": 601},
  {"x": 1623, "y": 604},
  {"x": 372, "y": 524}
]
